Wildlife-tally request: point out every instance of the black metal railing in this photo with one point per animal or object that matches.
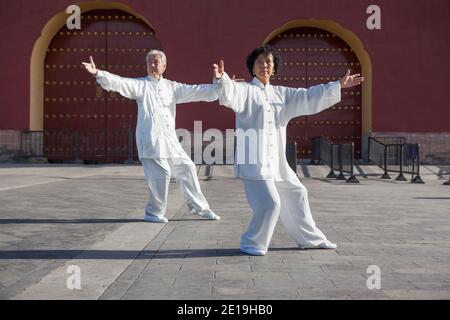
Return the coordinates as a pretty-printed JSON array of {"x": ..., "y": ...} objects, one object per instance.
[
  {"x": 91, "y": 146},
  {"x": 116, "y": 145},
  {"x": 31, "y": 143},
  {"x": 393, "y": 154},
  {"x": 338, "y": 156},
  {"x": 291, "y": 155},
  {"x": 228, "y": 142}
]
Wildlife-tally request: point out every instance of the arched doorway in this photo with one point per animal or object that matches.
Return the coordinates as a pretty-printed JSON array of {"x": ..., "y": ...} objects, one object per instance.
[
  {"x": 79, "y": 116},
  {"x": 312, "y": 55}
]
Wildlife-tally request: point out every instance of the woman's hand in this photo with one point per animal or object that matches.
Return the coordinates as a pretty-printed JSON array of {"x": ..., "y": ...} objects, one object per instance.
[
  {"x": 90, "y": 67},
  {"x": 348, "y": 80},
  {"x": 218, "y": 70}
]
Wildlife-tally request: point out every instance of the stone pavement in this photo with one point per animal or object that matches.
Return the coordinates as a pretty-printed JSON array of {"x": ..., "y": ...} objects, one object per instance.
[{"x": 55, "y": 217}]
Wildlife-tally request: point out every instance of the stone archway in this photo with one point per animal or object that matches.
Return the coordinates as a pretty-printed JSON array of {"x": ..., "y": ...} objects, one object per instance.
[{"x": 65, "y": 98}]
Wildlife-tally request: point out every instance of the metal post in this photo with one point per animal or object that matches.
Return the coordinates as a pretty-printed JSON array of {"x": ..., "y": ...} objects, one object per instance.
[
  {"x": 77, "y": 148},
  {"x": 331, "y": 175},
  {"x": 209, "y": 172},
  {"x": 314, "y": 148},
  {"x": 341, "y": 173},
  {"x": 352, "y": 178},
  {"x": 401, "y": 177},
  {"x": 130, "y": 147},
  {"x": 417, "y": 179},
  {"x": 21, "y": 141},
  {"x": 385, "y": 175},
  {"x": 291, "y": 155}
]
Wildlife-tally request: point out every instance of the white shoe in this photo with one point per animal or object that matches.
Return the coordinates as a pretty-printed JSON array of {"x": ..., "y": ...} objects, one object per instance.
[
  {"x": 253, "y": 251},
  {"x": 324, "y": 245},
  {"x": 155, "y": 219},
  {"x": 208, "y": 214}
]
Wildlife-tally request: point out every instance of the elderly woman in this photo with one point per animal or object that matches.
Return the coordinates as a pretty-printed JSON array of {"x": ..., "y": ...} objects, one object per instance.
[
  {"x": 159, "y": 150},
  {"x": 263, "y": 110}
]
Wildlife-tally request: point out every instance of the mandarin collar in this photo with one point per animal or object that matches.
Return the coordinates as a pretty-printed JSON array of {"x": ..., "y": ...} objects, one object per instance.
[
  {"x": 259, "y": 84},
  {"x": 153, "y": 79}
]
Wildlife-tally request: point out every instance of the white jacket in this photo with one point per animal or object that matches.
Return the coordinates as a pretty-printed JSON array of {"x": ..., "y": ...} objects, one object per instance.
[
  {"x": 267, "y": 109},
  {"x": 157, "y": 99}
]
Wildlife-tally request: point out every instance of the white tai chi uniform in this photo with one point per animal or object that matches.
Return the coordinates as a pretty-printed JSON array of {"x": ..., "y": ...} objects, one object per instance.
[
  {"x": 158, "y": 147},
  {"x": 272, "y": 187}
]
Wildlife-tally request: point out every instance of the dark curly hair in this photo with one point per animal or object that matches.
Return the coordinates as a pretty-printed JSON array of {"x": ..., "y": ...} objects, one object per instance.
[{"x": 266, "y": 49}]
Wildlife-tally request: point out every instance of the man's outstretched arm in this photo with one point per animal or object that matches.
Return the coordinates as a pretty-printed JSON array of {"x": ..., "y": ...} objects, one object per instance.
[
  {"x": 127, "y": 87},
  {"x": 185, "y": 93}
]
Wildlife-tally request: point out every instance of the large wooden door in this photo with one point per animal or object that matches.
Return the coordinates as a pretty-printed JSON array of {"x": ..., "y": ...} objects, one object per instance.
[
  {"x": 313, "y": 56},
  {"x": 81, "y": 120}
]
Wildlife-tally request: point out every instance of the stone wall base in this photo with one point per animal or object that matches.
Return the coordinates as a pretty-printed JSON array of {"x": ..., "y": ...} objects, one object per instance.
[
  {"x": 434, "y": 146},
  {"x": 11, "y": 149}
]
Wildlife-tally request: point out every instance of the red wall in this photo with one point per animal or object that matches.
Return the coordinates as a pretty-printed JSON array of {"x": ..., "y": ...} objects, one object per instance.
[{"x": 410, "y": 54}]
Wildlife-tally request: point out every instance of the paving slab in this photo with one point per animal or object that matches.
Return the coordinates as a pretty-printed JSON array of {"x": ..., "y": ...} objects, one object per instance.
[{"x": 56, "y": 216}]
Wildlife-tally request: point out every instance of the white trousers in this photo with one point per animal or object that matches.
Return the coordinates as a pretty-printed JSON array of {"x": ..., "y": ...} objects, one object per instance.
[
  {"x": 269, "y": 199},
  {"x": 158, "y": 173}
]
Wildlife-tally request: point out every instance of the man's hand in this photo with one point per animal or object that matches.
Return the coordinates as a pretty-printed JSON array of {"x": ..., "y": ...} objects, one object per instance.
[
  {"x": 90, "y": 67},
  {"x": 218, "y": 70},
  {"x": 348, "y": 80}
]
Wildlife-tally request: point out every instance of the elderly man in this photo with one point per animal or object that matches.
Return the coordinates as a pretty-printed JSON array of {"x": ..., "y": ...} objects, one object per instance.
[{"x": 159, "y": 150}]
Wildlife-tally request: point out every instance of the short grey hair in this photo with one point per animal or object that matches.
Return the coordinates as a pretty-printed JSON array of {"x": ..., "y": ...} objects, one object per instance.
[{"x": 154, "y": 52}]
